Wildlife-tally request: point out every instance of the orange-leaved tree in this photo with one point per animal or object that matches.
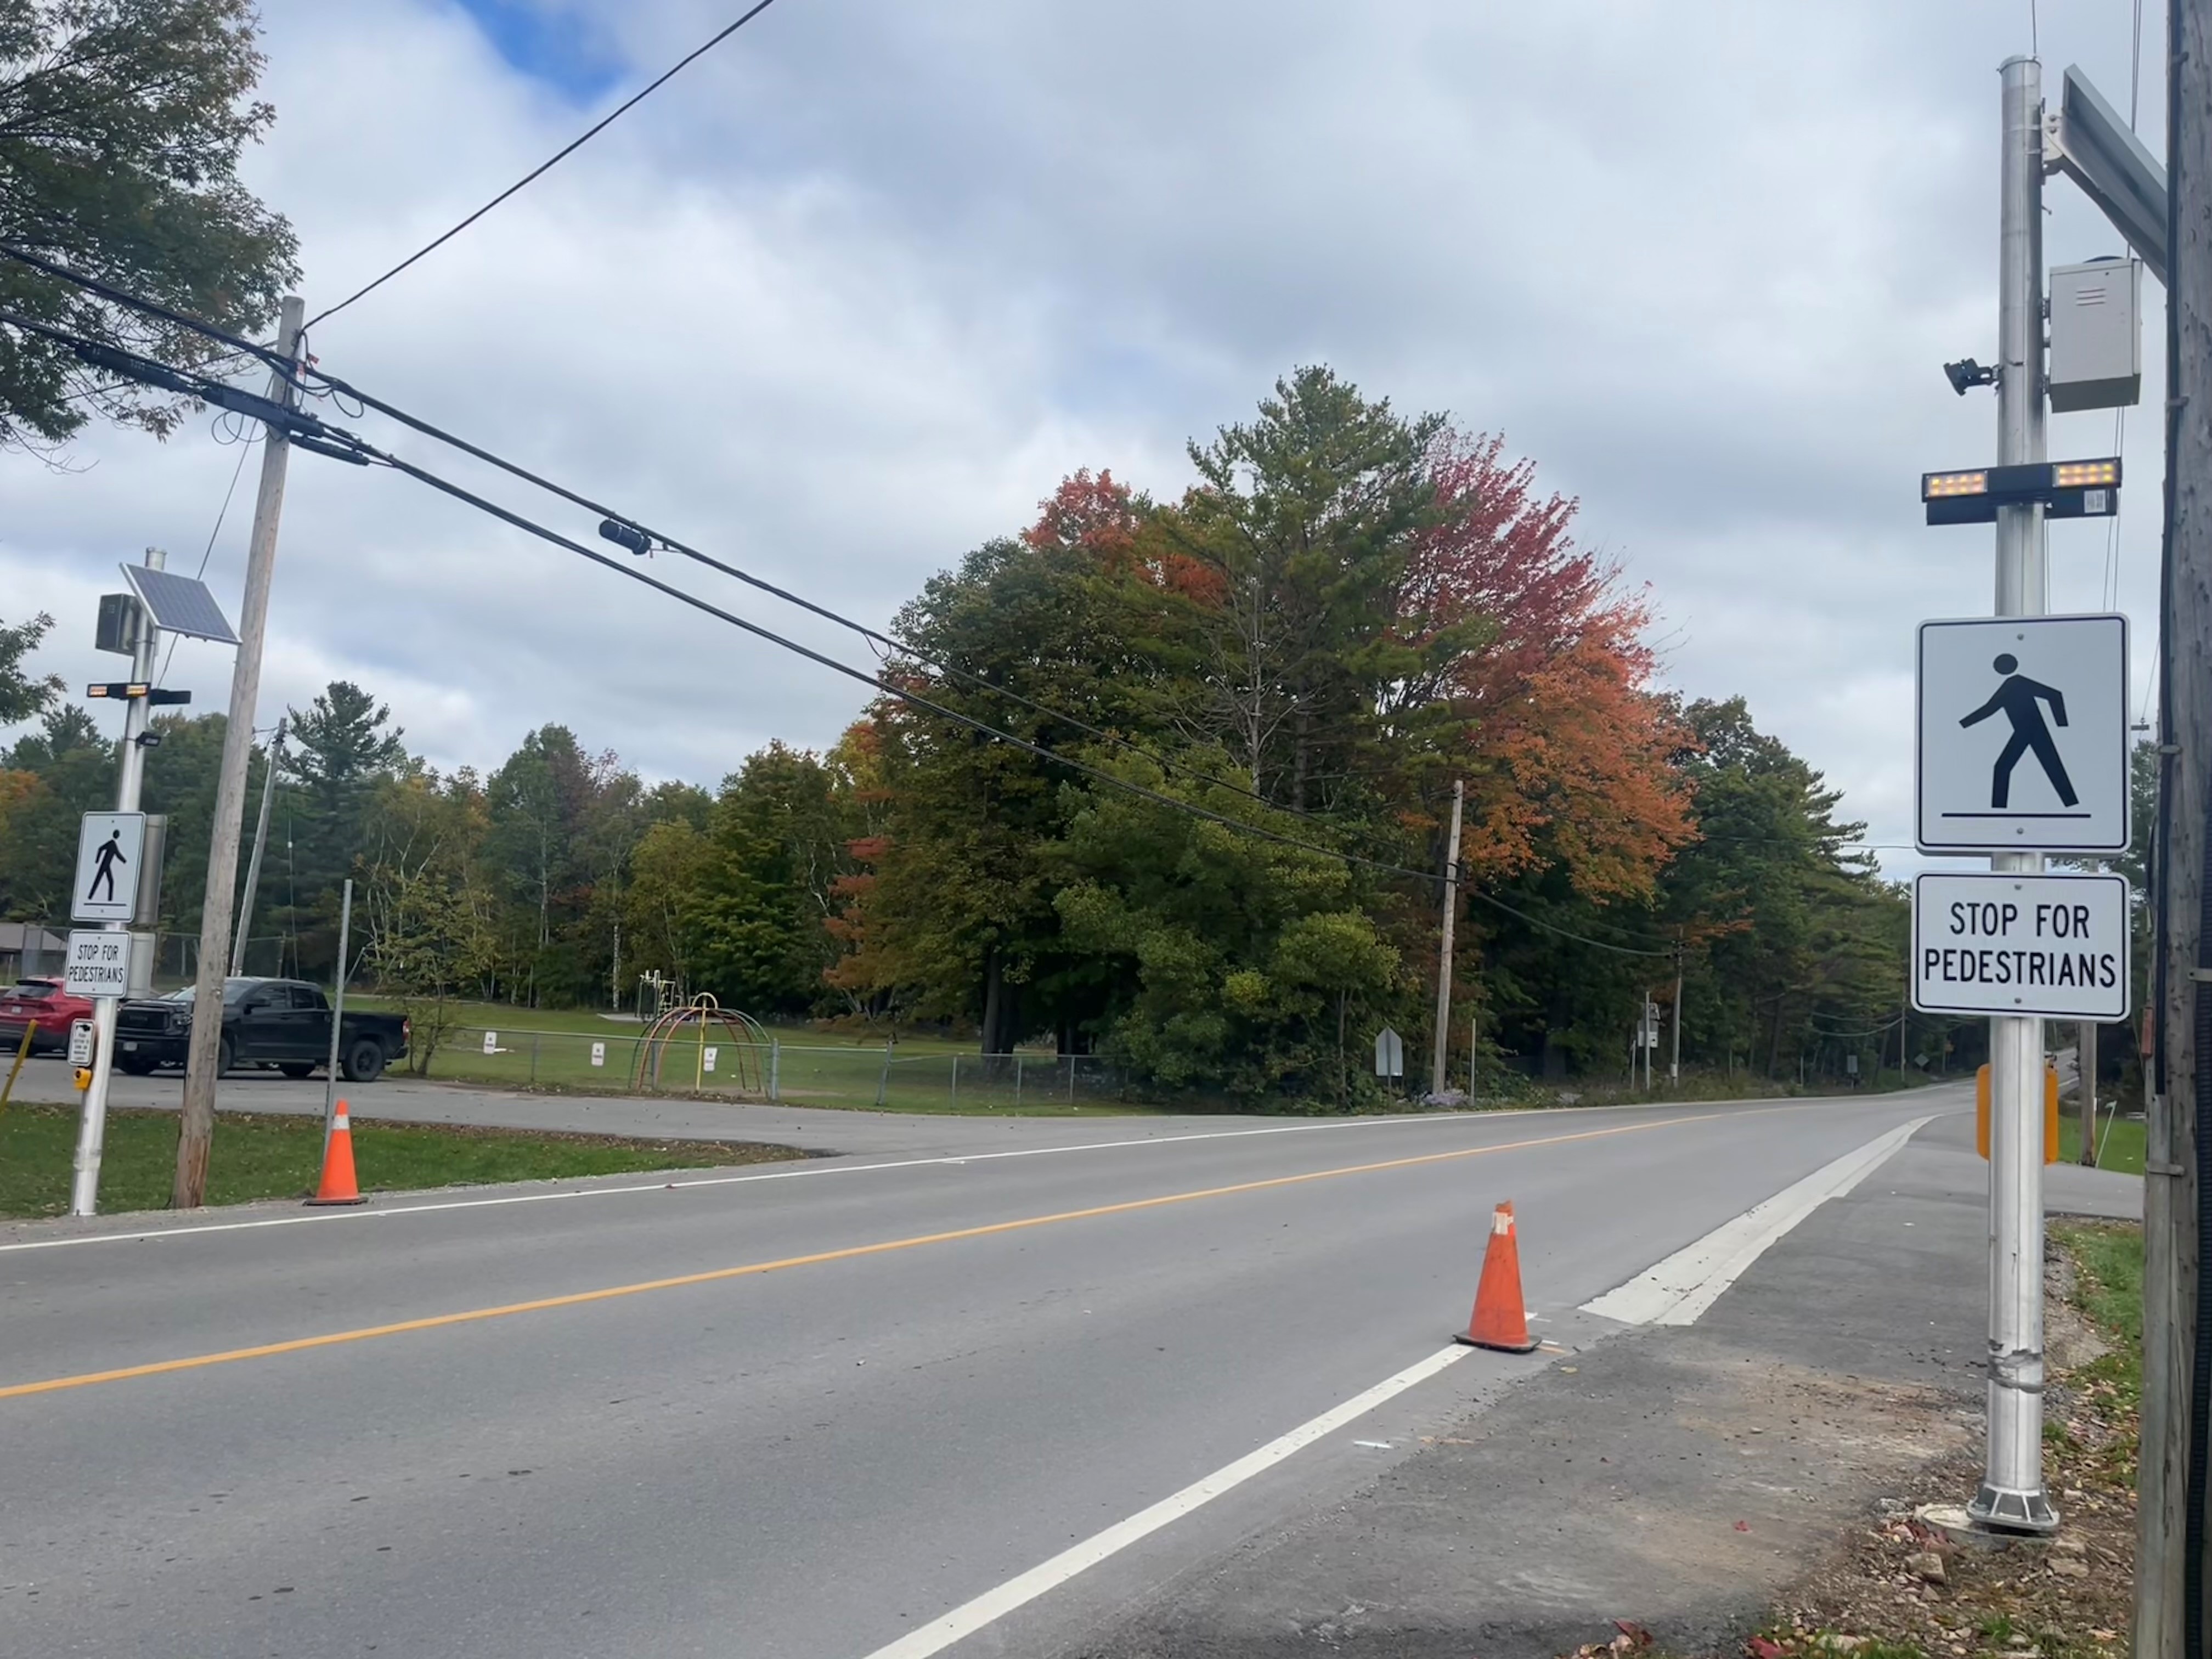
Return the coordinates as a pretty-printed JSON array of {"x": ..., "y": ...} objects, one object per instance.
[{"x": 1568, "y": 744}]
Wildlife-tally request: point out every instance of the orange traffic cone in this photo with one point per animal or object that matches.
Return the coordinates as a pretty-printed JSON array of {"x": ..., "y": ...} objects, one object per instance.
[
  {"x": 338, "y": 1185},
  {"x": 1500, "y": 1321}
]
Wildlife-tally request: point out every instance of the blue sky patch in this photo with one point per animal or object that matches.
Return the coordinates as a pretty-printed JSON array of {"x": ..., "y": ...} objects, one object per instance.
[{"x": 549, "y": 43}]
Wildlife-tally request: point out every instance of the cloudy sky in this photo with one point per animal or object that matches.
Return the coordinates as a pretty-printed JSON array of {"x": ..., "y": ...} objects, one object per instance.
[{"x": 854, "y": 291}]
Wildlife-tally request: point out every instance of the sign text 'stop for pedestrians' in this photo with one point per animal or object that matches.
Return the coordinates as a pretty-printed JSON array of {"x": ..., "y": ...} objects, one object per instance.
[
  {"x": 109, "y": 847},
  {"x": 1997, "y": 943},
  {"x": 2023, "y": 735}
]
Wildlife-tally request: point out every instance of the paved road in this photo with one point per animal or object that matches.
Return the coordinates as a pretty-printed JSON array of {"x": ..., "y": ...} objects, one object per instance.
[{"x": 901, "y": 1403}]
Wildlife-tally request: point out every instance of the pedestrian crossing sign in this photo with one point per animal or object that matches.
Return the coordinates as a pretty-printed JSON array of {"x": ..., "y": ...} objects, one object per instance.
[
  {"x": 109, "y": 849},
  {"x": 2022, "y": 726}
]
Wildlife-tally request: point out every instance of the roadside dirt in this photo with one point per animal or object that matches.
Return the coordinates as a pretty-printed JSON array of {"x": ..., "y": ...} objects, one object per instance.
[{"x": 1897, "y": 1584}]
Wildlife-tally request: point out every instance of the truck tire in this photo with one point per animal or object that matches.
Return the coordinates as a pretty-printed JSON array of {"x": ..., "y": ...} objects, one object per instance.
[
  {"x": 364, "y": 1061},
  {"x": 135, "y": 1065},
  {"x": 224, "y": 1055},
  {"x": 297, "y": 1068}
]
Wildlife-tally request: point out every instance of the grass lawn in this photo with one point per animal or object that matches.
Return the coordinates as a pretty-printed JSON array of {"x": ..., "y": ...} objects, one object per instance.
[
  {"x": 2123, "y": 1148},
  {"x": 578, "y": 1051},
  {"x": 2108, "y": 1260},
  {"x": 278, "y": 1157}
]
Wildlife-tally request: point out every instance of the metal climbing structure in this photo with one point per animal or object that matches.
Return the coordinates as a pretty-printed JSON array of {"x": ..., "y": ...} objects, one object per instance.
[{"x": 726, "y": 1046}]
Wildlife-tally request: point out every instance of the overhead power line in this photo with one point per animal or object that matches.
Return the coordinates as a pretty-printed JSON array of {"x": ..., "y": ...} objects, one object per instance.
[
  {"x": 627, "y": 532},
  {"x": 930, "y": 706},
  {"x": 552, "y": 160},
  {"x": 309, "y": 432}
]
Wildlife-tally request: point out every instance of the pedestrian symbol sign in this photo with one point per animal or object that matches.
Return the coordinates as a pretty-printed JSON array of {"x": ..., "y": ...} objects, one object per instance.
[
  {"x": 110, "y": 848},
  {"x": 2023, "y": 735},
  {"x": 2020, "y": 700}
]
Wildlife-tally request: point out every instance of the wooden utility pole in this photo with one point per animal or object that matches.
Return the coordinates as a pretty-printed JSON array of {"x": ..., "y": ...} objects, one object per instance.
[
  {"x": 2170, "y": 1620},
  {"x": 1675, "y": 1065},
  {"x": 196, "y": 1130},
  {"x": 1444, "y": 963}
]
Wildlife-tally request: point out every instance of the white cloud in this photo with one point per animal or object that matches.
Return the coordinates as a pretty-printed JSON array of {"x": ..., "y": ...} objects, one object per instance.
[{"x": 853, "y": 293}]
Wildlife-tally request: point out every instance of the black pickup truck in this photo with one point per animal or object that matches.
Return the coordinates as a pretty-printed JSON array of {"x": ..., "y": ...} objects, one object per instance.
[{"x": 285, "y": 1023}]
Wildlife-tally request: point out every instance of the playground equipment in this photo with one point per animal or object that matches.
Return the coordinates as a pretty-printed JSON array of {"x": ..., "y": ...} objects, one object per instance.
[
  {"x": 724, "y": 1043},
  {"x": 656, "y": 993}
]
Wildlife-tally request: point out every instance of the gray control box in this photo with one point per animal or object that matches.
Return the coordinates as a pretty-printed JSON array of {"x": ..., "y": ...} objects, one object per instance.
[{"x": 2096, "y": 335}]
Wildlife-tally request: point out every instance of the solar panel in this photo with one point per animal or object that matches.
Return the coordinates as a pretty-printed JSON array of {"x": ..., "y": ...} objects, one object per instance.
[{"x": 182, "y": 604}]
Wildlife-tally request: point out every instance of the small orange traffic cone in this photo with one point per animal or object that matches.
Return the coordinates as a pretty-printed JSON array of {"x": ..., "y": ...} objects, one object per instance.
[
  {"x": 338, "y": 1185},
  {"x": 1500, "y": 1321}
]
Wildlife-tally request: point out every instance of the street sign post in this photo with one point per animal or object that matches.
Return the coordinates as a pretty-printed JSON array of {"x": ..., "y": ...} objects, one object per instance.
[
  {"x": 2022, "y": 727},
  {"x": 2010, "y": 943},
  {"x": 98, "y": 964},
  {"x": 110, "y": 848}
]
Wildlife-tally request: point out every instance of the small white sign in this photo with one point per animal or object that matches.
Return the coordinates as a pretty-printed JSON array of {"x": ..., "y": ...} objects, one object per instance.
[
  {"x": 2023, "y": 735},
  {"x": 709, "y": 1060},
  {"x": 80, "y": 1048},
  {"x": 97, "y": 964},
  {"x": 491, "y": 1043},
  {"x": 109, "y": 846},
  {"x": 599, "y": 1054},
  {"x": 1389, "y": 1053},
  {"x": 2052, "y": 946}
]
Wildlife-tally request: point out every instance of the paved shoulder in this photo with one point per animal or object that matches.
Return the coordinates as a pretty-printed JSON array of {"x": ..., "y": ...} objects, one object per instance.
[{"x": 1672, "y": 1476}]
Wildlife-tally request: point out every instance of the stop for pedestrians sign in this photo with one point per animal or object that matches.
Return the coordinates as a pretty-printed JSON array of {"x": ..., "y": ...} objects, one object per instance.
[
  {"x": 1997, "y": 942},
  {"x": 2023, "y": 735}
]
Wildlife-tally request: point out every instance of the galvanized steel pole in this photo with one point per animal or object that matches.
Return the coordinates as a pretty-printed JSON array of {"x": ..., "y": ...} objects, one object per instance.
[
  {"x": 2012, "y": 1495},
  {"x": 92, "y": 1122}
]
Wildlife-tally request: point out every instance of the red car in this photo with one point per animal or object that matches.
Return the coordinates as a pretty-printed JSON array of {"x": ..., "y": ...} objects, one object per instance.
[{"x": 46, "y": 1007}]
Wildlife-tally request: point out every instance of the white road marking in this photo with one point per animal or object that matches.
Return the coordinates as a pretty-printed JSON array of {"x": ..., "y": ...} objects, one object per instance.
[
  {"x": 993, "y": 1604},
  {"x": 1681, "y": 1288},
  {"x": 807, "y": 1170}
]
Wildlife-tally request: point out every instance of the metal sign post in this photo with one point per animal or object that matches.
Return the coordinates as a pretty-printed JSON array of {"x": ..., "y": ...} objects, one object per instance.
[
  {"x": 2011, "y": 1493},
  {"x": 115, "y": 886}
]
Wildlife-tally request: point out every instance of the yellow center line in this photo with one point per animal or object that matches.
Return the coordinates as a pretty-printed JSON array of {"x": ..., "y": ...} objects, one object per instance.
[{"x": 853, "y": 1252}]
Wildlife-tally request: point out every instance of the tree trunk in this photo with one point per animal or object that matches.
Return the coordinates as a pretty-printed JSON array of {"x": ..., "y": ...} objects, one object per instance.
[{"x": 1001, "y": 1007}]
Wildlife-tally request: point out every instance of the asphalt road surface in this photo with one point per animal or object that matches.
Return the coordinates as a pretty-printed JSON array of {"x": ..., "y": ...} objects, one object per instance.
[{"x": 805, "y": 1411}]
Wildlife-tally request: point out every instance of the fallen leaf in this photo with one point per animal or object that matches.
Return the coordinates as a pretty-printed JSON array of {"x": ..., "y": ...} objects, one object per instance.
[
  {"x": 1743, "y": 1526},
  {"x": 1760, "y": 1646},
  {"x": 1635, "y": 1633}
]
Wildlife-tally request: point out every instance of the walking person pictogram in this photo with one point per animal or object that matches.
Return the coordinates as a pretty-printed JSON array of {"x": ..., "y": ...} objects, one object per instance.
[
  {"x": 104, "y": 862},
  {"x": 2021, "y": 699}
]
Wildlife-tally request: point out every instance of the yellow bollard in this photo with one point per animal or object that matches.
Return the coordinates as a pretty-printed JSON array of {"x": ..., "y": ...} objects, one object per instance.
[{"x": 2050, "y": 1113}]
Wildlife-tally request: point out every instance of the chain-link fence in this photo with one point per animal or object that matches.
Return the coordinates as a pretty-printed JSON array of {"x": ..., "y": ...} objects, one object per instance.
[{"x": 692, "y": 1062}]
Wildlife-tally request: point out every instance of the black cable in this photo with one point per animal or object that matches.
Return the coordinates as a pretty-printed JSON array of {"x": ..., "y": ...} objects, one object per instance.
[
  {"x": 310, "y": 433},
  {"x": 343, "y": 389},
  {"x": 238, "y": 344},
  {"x": 650, "y": 535},
  {"x": 552, "y": 161},
  {"x": 879, "y": 685}
]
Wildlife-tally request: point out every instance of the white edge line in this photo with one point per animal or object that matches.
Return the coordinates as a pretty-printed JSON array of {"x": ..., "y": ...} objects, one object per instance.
[
  {"x": 811, "y": 1169},
  {"x": 994, "y": 1605},
  {"x": 1676, "y": 1291}
]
